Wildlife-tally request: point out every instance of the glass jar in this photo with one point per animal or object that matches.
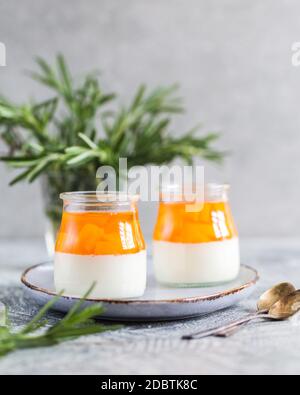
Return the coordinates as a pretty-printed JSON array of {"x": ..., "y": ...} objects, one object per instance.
[
  {"x": 53, "y": 183},
  {"x": 100, "y": 241},
  {"x": 196, "y": 242}
]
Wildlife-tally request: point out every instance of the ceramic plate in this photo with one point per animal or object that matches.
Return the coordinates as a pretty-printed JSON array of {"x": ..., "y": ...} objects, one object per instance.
[{"x": 159, "y": 303}]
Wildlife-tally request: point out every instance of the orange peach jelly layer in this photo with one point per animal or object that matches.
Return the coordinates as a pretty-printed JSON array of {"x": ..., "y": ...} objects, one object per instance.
[
  {"x": 100, "y": 233},
  {"x": 179, "y": 223}
]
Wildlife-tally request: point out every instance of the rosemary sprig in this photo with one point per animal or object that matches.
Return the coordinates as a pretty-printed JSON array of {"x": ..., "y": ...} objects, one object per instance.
[
  {"x": 70, "y": 130},
  {"x": 79, "y": 128},
  {"x": 78, "y": 322}
]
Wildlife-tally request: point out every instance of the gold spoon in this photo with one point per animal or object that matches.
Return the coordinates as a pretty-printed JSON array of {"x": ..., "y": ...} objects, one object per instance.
[
  {"x": 266, "y": 301},
  {"x": 278, "y": 303}
]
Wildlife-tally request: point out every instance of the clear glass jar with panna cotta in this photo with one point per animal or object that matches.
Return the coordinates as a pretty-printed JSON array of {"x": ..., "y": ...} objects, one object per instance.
[
  {"x": 195, "y": 242},
  {"x": 100, "y": 242}
]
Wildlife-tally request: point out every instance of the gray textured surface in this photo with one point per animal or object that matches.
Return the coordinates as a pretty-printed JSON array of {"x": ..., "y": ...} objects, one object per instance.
[
  {"x": 233, "y": 60},
  {"x": 261, "y": 348}
]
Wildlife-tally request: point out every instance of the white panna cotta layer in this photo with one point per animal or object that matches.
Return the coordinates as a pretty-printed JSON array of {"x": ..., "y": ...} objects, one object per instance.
[
  {"x": 196, "y": 264},
  {"x": 116, "y": 276}
]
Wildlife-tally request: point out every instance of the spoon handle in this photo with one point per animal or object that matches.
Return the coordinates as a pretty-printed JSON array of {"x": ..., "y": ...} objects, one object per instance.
[
  {"x": 219, "y": 330},
  {"x": 232, "y": 331}
]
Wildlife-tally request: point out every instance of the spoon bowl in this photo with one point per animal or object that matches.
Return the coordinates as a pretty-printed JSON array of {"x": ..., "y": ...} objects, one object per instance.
[
  {"x": 273, "y": 295},
  {"x": 286, "y": 307}
]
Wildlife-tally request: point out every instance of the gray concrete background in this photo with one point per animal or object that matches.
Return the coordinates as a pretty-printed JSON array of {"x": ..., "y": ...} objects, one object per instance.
[{"x": 233, "y": 61}]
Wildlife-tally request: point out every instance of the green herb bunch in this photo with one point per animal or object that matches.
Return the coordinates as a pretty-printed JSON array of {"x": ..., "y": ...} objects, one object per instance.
[
  {"x": 67, "y": 137},
  {"x": 37, "y": 333}
]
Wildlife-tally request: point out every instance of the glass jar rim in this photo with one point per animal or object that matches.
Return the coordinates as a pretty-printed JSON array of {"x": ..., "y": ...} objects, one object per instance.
[
  {"x": 94, "y": 197},
  {"x": 211, "y": 187},
  {"x": 191, "y": 192}
]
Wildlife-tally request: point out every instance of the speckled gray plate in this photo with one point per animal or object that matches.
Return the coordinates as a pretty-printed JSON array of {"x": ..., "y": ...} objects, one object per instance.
[{"x": 158, "y": 303}]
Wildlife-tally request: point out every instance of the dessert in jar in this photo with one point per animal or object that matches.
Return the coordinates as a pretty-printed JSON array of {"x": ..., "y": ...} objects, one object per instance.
[
  {"x": 100, "y": 242},
  {"x": 196, "y": 243}
]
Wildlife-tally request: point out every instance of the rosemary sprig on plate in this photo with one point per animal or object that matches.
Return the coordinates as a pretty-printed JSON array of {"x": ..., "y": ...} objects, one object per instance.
[{"x": 78, "y": 322}]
